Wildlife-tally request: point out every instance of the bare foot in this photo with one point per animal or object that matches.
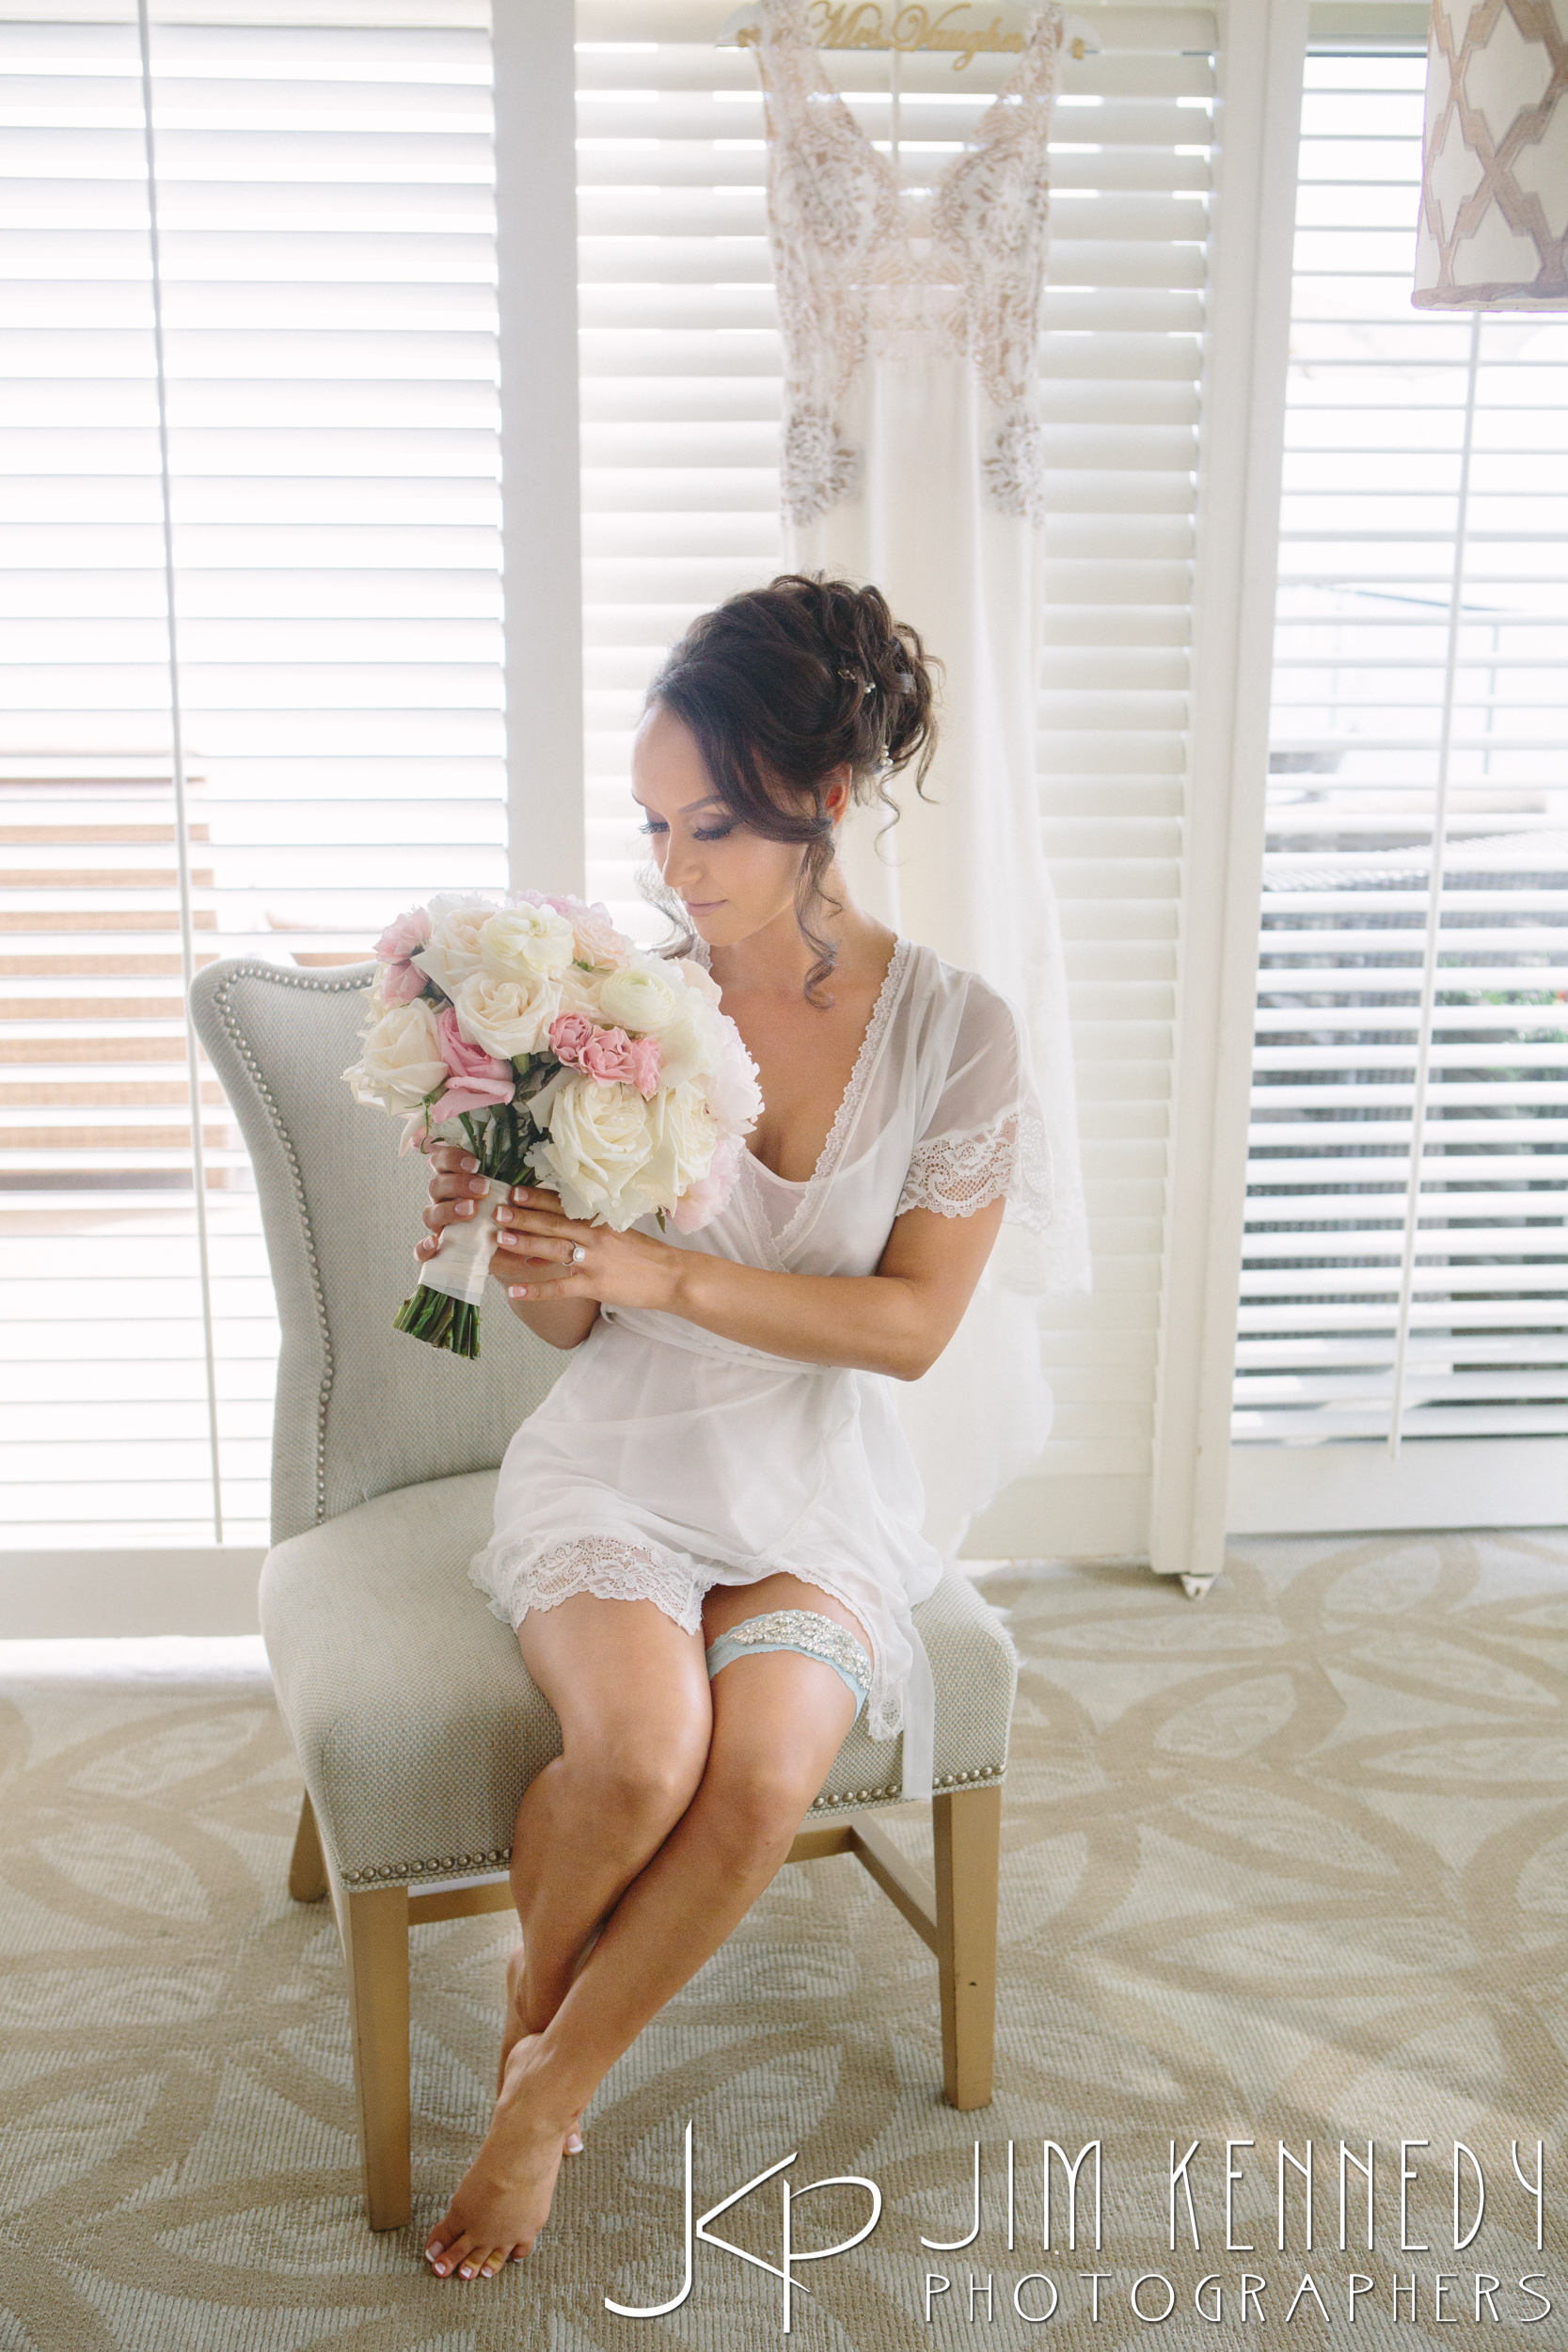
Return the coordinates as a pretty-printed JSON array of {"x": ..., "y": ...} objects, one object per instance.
[
  {"x": 513, "y": 2030},
  {"x": 504, "y": 2199}
]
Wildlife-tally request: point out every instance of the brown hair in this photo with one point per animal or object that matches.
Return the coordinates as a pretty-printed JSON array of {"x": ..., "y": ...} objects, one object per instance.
[{"x": 781, "y": 686}]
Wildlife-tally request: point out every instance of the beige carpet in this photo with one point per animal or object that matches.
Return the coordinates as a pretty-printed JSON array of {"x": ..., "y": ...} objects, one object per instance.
[{"x": 1284, "y": 1864}]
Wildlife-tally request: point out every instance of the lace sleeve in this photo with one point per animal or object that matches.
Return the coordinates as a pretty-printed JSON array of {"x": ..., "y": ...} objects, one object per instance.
[{"x": 1009, "y": 1160}]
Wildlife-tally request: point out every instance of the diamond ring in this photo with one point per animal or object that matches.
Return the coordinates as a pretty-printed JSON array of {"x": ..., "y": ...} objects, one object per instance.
[{"x": 578, "y": 1253}]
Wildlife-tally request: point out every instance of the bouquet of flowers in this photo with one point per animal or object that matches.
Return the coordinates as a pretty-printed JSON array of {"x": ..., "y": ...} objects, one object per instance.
[{"x": 537, "y": 1036}]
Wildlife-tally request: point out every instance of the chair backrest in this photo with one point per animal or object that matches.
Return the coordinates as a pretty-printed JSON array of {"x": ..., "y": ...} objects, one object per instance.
[{"x": 361, "y": 1408}]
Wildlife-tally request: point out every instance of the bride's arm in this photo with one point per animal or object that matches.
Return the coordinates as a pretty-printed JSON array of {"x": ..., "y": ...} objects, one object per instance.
[{"x": 897, "y": 1320}]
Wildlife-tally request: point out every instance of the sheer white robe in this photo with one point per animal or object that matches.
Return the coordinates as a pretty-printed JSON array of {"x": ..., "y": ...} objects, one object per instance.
[{"x": 667, "y": 1459}]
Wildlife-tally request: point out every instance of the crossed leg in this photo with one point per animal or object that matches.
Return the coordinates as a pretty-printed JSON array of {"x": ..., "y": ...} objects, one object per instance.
[{"x": 713, "y": 1782}]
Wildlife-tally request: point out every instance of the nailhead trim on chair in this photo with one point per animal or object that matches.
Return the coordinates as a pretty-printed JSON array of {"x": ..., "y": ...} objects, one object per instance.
[
  {"x": 497, "y": 1859},
  {"x": 279, "y": 977}
]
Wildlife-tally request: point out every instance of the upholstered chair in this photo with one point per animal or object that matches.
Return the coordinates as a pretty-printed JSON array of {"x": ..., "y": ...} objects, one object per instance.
[{"x": 415, "y": 1722}]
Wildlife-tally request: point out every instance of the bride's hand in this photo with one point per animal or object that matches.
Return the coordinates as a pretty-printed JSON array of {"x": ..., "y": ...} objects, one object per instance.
[
  {"x": 554, "y": 1257},
  {"x": 534, "y": 1258}
]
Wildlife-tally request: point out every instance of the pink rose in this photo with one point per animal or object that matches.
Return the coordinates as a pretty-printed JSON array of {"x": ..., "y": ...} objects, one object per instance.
[
  {"x": 569, "y": 1034},
  {"x": 400, "y": 940},
  {"x": 607, "y": 1057},
  {"x": 479, "y": 1080},
  {"x": 402, "y": 981},
  {"x": 643, "y": 1058}
]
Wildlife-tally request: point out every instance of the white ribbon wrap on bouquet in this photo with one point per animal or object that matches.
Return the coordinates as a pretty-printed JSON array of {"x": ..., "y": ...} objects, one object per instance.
[{"x": 461, "y": 1268}]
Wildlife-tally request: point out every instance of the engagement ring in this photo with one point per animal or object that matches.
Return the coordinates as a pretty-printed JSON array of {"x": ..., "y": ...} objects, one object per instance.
[{"x": 578, "y": 1253}]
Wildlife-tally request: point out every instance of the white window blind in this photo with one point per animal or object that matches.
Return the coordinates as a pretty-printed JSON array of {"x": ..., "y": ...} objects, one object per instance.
[
  {"x": 326, "y": 201},
  {"x": 1406, "y": 1257},
  {"x": 680, "y": 408}
]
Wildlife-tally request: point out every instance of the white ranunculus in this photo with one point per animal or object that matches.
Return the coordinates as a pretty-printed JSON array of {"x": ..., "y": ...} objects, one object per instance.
[
  {"x": 454, "y": 948},
  {"x": 507, "y": 1017},
  {"x": 651, "y": 998},
  {"x": 599, "y": 1145},
  {"x": 527, "y": 939},
  {"x": 401, "y": 1060},
  {"x": 647, "y": 997}
]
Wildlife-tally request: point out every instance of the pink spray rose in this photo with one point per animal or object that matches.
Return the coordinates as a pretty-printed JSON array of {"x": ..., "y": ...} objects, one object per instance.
[
  {"x": 569, "y": 1034},
  {"x": 643, "y": 1057},
  {"x": 607, "y": 1057},
  {"x": 479, "y": 1080},
  {"x": 401, "y": 980}
]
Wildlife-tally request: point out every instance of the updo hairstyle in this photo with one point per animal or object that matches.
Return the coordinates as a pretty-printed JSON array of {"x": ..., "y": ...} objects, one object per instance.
[{"x": 783, "y": 685}]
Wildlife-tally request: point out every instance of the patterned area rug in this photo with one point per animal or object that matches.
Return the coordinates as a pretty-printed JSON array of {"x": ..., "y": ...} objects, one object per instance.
[{"x": 1285, "y": 1867}]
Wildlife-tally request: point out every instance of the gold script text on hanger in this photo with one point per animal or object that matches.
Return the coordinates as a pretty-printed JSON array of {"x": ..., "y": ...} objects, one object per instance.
[
  {"x": 867, "y": 24},
  {"x": 906, "y": 27}
]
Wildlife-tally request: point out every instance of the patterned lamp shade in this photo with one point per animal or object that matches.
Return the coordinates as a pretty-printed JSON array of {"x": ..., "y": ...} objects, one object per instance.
[{"x": 1494, "y": 226}]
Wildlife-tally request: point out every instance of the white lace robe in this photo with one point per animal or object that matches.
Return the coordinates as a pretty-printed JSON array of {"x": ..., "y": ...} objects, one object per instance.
[{"x": 667, "y": 1459}]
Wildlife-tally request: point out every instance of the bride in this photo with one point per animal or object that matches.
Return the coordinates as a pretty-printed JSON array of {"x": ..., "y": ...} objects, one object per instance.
[{"x": 709, "y": 1536}]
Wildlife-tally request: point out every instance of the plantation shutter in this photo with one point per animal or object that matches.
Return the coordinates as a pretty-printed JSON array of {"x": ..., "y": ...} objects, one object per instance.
[
  {"x": 326, "y": 199},
  {"x": 680, "y": 408},
  {"x": 1406, "y": 1257}
]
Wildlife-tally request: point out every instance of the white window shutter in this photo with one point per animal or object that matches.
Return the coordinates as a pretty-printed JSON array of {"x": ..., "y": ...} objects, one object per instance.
[
  {"x": 1341, "y": 1257},
  {"x": 326, "y": 204}
]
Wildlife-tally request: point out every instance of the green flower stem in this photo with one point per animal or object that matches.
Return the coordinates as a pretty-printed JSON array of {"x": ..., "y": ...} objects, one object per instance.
[{"x": 440, "y": 1322}]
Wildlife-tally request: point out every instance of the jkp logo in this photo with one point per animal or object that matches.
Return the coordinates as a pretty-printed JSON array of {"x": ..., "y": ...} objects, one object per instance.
[{"x": 789, "y": 2254}]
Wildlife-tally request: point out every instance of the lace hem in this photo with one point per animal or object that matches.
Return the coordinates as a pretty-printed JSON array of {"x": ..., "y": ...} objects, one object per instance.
[
  {"x": 605, "y": 1565},
  {"x": 955, "y": 1175}
]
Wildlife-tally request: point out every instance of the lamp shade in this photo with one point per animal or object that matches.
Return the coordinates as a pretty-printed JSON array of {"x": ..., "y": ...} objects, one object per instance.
[{"x": 1494, "y": 225}]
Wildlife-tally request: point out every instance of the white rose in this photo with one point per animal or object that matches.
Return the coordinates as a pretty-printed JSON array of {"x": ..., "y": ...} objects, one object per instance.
[
  {"x": 526, "y": 939},
  {"x": 595, "y": 937},
  {"x": 507, "y": 1017},
  {"x": 599, "y": 1142},
  {"x": 683, "y": 1136},
  {"x": 454, "y": 948},
  {"x": 401, "y": 1060}
]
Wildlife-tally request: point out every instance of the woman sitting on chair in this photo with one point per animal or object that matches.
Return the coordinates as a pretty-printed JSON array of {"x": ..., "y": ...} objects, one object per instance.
[{"x": 709, "y": 1536}]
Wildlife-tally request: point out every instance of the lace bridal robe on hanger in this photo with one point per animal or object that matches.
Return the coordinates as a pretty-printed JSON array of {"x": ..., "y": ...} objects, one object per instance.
[{"x": 913, "y": 458}]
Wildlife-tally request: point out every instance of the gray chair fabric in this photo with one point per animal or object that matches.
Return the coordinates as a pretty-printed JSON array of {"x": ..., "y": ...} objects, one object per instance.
[
  {"x": 415, "y": 1724},
  {"x": 361, "y": 1408},
  {"x": 417, "y": 1728}
]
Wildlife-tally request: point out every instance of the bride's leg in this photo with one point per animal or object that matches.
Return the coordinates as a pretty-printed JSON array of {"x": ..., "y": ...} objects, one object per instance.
[
  {"x": 779, "y": 1719},
  {"x": 631, "y": 1694}
]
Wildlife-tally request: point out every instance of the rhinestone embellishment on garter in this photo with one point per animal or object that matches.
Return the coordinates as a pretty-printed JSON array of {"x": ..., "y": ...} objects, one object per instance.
[{"x": 805, "y": 1629}]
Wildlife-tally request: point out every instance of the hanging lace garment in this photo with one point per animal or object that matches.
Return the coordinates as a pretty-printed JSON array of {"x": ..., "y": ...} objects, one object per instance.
[{"x": 912, "y": 456}]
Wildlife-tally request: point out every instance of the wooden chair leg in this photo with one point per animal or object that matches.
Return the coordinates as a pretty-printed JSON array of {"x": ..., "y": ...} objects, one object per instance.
[
  {"x": 968, "y": 1837},
  {"x": 375, "y": 1928},
  {"x": 307, "y": 1868}
]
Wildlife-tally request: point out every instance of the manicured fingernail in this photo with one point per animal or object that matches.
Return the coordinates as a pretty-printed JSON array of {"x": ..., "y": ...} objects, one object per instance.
[
  {"x": 477, "y": 1185},
  {"x": 471, "y": 1166},
  {"x": 503, "y": 1216},
  {"x": 574, "y": 2143},
  {"x": 517, "y": 1291},
  {"x": 520, "y": 1192},
  {"x": 464, "y": 1208}
]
